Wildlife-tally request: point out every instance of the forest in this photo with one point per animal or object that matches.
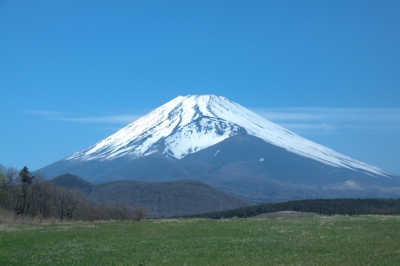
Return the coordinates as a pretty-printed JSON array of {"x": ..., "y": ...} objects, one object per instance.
[
  {"x": 342, "y": 206},
  {"x": 31, "y": 195}
]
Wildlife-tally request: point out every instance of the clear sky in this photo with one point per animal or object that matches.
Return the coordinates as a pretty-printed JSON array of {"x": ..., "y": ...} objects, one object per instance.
[{"x": 74, "y": 72}]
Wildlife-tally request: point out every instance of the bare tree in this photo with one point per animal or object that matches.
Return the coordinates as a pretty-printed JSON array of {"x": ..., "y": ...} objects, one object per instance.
[
  {"x": 42, "y": 196},
  {"x": 8, "y": 187},
  {"x": 4, "y": 195},
  {"x": 9, "y": 177},
  {"x": 32, "y": 195},
  {"x": 140, "y": 213},
  {"x": 66, "y": 201}
]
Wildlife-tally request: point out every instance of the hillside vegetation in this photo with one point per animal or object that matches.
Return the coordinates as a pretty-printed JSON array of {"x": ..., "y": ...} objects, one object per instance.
[
  {"x": 25, "y": 196},
  {"x": 320, "y": 206},
  {"x": 162, "y": 199}
]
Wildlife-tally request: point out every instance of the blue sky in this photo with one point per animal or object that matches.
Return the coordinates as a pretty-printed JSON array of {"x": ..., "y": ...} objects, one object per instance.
[{"x": 74, "y": 72}]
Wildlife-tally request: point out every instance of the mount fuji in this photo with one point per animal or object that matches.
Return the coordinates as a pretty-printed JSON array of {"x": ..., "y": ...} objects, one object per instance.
[{"x": 214, "y": 140}]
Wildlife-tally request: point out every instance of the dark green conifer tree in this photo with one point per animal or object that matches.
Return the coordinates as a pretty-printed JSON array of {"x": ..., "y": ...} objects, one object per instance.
[{"x": 26, "y": 181}]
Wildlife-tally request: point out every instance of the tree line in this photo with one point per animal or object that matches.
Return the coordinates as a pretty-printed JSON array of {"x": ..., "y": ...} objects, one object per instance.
[
  {"x": 342, "y": 206},
  {"x": 30, "y": 194}
]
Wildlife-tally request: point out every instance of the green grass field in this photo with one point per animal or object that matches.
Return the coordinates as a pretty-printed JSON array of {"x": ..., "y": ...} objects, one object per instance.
[{"x": 336, "y": 240}]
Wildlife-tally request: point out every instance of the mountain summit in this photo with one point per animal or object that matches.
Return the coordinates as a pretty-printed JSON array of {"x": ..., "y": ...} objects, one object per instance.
[
  {"x": 192, "y": 123},
  {"x": 217, "y": 141}
]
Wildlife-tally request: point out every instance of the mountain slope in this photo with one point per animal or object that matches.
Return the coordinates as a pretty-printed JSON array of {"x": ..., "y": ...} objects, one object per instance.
[
  {"x": 72, "y": 181},
  {"x": 166, "y": 199},
  {"x": 258, "y": 171},
  {"x": 214, "y": 140},
  {"x": 188, "y": 124}
]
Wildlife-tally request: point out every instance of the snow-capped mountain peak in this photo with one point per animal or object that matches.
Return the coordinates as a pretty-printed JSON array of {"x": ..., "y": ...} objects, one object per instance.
[{"x": 188, "y": 124}]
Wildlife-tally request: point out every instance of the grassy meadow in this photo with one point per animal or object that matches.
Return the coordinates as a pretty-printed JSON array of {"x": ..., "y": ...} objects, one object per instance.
[{"x": 317, "y": 240}]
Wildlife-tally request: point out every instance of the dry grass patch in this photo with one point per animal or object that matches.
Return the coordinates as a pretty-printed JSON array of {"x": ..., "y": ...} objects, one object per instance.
[{"x": 9, "y": 218}]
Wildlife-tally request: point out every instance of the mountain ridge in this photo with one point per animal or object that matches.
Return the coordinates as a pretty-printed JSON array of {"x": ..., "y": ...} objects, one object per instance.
[
  {"x": 221, "y": 143},
  {"x": 188, "y": 124},
  {"x": 161, "y": 199}
]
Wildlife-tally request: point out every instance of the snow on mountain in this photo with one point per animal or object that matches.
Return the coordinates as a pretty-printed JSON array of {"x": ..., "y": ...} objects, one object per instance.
[{"x": 189, "y": 124}]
